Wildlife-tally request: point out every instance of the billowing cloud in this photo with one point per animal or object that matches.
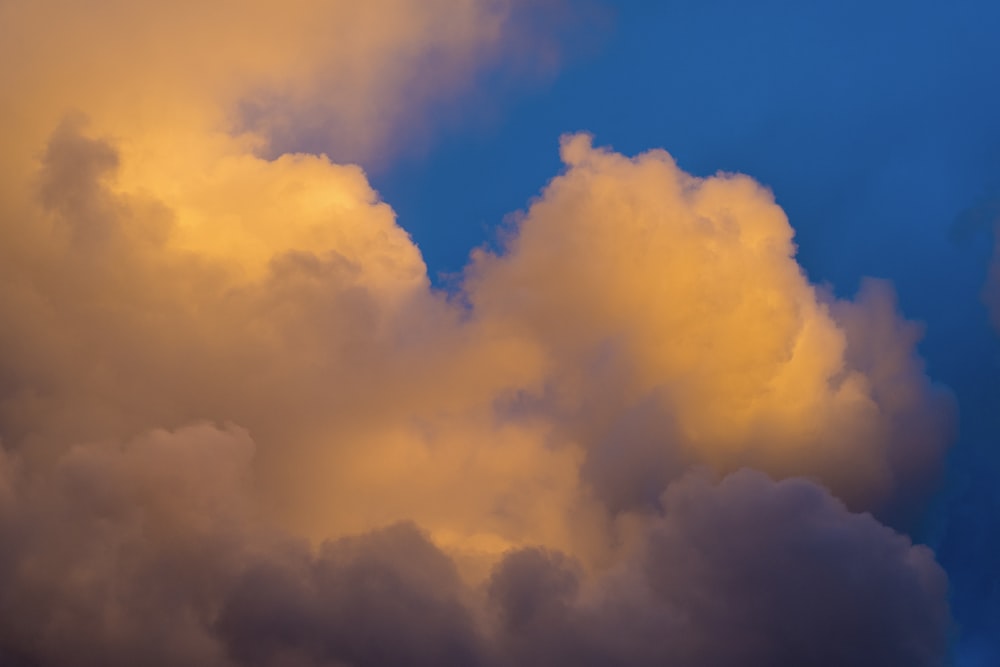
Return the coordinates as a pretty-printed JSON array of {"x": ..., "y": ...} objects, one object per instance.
[
  {"x": 117, "y": 554},
  {"x": 147, "y": 552},
  {"x": 672, "y": 309},
  {"x": 239, "y": 427},
  {"x": 743, "y": 572}
]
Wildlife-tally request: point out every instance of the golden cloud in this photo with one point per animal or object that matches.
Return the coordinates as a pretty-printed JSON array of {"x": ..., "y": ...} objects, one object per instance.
[{"x": 219, "y": 360}]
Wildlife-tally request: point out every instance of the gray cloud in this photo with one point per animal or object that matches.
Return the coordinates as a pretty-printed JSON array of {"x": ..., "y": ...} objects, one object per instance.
[
  {"x": 745, "y": 572},
  {"x": 150, "y": 552}
]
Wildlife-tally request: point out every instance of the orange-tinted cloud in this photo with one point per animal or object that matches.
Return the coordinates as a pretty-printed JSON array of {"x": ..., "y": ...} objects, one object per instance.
[
  {"x": 340, "y": 76},
  {"x": 672, "y": 309},
  {"x": 217, "y": 367}
]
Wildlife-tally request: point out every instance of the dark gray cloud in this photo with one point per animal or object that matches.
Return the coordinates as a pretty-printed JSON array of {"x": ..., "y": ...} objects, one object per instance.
[
  {"x": 149, "y": 552},
  {"x": 387, "y": 598},
  {"x": 746, "y": 572}
]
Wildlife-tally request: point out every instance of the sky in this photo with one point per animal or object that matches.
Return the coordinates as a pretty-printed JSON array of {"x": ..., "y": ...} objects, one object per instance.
[{"x": 499, "y": 332}]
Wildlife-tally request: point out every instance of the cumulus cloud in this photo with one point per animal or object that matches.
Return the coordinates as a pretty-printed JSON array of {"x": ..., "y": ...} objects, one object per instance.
[
  {"x": 743, "y": 572},
  {"x": 671, "y": 308},
  {"x": 148, "y": 552},
  {"x": 563, "y": 403},
  {"x": 239, "y": 427},
  {"x": 116, "y": 553}
]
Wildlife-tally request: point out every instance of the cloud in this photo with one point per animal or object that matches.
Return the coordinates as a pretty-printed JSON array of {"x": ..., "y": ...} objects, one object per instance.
[
  {"x": 385, "y": 598},
  {"x": 148, "y": 552},
  {"x": 353, "y": 80},
  {"x": 593, "y": 364},
  {"x": 671, "y": 308},
  {"x": 115, "y": 554},
  {"x": 239, "y": 427},
  {"x": 743, "y": 572}
]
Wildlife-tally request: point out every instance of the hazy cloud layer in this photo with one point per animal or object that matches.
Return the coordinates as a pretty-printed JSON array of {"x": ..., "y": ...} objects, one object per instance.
[
  {"x": 239, "y": 427},
  {"x": 351, "y": 79}
]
